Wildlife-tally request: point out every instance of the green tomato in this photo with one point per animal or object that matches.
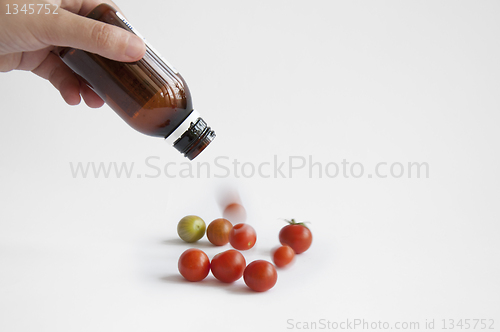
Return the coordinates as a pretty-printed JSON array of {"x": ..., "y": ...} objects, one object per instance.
[{"x": 191, "y": 228}]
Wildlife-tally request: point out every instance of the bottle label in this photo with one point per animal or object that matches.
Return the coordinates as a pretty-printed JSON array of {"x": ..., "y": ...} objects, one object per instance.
[{"x": 149, "y": 46}]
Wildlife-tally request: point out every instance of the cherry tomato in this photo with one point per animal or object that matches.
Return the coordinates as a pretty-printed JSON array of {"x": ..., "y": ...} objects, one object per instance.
[
  {"x": 228, "y": 266},
  {"x": 235, "y": 212},
  {"x": 296, "y": 235},
  {"x": 218, "y": 231},
  {"x": 283, "y": 256},
  {"x": 191, "y": 228},
  {"x": 194, "y": 264},
  {"x": 242, "y": 236},
  {"x": 260, "y": 275}
]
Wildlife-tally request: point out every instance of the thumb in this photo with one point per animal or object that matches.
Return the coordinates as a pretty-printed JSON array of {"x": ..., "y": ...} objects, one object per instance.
[{"x": 109, "y": 41}]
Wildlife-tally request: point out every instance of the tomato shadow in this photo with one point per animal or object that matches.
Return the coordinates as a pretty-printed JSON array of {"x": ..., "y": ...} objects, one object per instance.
[
  {"x": 209, "y": 281},
  {"x": 179, "y": 242},
  {"x": 174, "y": 278},
  {"x": 240, "y": 289}
]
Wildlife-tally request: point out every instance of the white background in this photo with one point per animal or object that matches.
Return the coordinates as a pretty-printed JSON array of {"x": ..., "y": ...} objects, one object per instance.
[{"x": 364, "y": 81}]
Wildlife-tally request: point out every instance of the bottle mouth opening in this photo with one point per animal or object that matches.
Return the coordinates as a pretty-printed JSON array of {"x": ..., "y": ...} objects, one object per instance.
[{"x": 195, "y": 139}]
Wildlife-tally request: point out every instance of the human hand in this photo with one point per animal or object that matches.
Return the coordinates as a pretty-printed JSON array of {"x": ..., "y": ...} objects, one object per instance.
[{"x": 26, "y": 42}]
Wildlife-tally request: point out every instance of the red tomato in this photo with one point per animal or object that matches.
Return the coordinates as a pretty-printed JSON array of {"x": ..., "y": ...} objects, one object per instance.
[
  {"x": 260, "y": 275},
  {"x": 283, "y": 256},
  {"x": 297, "y": 236},
  {"x": 235, "y": 212},
  {"x": 194, "y": 264},
  {"x": 228, "y": 266},
  {"x": 218, "y": 231},
  {"x": 242, "y": 236}
]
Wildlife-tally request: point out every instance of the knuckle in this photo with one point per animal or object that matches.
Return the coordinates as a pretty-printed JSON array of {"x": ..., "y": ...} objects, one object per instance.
[
  {"x": 10, "y": 62},
  {"x": 51, "y": 77},
  {"x": 102, "y": 35}
]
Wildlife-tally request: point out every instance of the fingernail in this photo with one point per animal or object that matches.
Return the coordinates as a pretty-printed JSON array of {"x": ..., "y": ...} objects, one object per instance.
[{"x": 135, "y": 48}]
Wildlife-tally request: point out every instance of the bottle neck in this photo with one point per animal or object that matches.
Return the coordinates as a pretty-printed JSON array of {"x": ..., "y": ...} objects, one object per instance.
[{"x": 192, "y": 136}]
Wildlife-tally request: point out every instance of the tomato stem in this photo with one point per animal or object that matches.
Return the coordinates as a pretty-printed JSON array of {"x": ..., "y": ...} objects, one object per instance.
[{"x": 293, "y": 222}]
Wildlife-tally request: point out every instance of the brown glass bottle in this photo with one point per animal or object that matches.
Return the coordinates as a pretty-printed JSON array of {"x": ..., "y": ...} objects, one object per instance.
[{"x": 150, "y": 95}]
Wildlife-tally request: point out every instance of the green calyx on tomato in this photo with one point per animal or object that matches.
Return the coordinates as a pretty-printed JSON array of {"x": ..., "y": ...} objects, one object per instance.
[{"x": 293, "y": 222}]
